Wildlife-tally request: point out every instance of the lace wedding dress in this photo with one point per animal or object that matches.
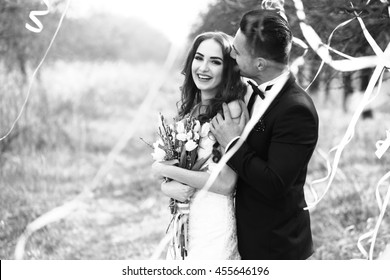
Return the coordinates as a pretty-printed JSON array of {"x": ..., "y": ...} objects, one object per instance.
[{"x": 212, "y": 224}]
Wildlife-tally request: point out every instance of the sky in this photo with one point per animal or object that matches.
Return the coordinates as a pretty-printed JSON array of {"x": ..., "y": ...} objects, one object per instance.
[{"x": 173, "y": 17}]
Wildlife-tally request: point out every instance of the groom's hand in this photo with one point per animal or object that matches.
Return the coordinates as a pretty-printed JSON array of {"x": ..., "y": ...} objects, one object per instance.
[{"x": 224, "y": 128}]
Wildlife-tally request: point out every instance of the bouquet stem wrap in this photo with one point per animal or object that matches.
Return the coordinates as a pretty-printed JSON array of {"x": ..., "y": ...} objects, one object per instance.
[{"x": 180, "y": 229}]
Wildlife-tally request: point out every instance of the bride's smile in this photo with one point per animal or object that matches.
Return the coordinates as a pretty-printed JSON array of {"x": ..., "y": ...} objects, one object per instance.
[{"x": 207, "y": 67}]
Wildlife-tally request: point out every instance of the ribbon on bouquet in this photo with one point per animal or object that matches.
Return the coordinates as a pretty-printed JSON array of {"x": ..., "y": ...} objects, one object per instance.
[{"x": 179, "y": 239}]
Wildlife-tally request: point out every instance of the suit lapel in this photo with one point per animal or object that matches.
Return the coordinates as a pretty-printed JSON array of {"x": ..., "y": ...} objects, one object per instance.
[
  {"x": 286, "y": 86},
  {"x": 260, "y": 125}
]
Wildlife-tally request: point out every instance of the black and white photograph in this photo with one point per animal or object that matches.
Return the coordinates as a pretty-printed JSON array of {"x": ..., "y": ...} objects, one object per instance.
[{"x": 194, "y": 130}]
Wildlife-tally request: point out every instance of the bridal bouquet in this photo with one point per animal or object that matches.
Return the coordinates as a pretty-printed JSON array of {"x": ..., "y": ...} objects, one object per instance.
[{"x": 180, "y": 141}]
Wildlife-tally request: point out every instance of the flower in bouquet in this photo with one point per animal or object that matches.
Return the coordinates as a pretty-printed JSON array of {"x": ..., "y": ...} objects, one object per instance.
[
  {"x": 166, "y": 147},
  {"x": 177, "y": 141},
  {"x": 159, "y": 154},
  {"x": 191, "y": 145},
  {"x": 189, "y": 139}
]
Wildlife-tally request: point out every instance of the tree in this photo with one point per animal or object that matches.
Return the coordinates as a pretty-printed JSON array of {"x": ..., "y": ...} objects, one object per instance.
[
  {"x": 19, "y": 46},
  {"x": 98, "y": 37},
  {"x": 323, "y": 16}
]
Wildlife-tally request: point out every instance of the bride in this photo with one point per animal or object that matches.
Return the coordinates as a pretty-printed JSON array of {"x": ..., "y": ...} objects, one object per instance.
[{"x": 211, "y": 79}]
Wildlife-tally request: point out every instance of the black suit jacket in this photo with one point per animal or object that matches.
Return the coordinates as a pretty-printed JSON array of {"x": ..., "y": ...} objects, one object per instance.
[{"x": 272, "y": 166}]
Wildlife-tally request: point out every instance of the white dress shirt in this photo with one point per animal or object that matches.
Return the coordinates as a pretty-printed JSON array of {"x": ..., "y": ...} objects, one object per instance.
[{"x": 277, "y": 85}]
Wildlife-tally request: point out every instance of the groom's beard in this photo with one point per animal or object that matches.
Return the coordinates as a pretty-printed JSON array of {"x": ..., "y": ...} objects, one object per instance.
[
  {"x": 242, "y": 74},
  {"x": 236, "y": 68}
]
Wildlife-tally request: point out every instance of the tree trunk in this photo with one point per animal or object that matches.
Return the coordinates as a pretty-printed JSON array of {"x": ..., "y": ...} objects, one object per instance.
[
  {"x": 348, "y": 89},
  {"x": 364, "y": 80}
]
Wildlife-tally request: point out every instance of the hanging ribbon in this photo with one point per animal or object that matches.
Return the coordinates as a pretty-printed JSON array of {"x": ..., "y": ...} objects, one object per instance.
[
  {"x": 300, "y": 60},
  {"x": 380, "y": 62},
  {"x": 179, "y": 239},
  {"x": 322, "y": 50},
  {"x": 382, "y": 208},
  {"x": 383, "y": 146},
  {"x": 33, "y": 16},
  {"x": 328, "y": 45},
  {"x": 35, "y": 72},
  {"x": 340, "y": 147}
]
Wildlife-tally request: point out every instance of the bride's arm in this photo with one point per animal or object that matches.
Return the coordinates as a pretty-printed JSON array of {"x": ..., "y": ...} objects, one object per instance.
[
  {"x": 224, "y": 184},
  {"x": 177, "y": 190}
]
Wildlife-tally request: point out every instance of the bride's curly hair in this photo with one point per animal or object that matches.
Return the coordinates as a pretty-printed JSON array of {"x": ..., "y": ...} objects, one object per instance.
[{"x": 230, "y": 88}]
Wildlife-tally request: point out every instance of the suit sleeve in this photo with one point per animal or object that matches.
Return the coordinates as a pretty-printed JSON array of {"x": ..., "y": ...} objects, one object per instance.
[{"x": 292, "y": 143}]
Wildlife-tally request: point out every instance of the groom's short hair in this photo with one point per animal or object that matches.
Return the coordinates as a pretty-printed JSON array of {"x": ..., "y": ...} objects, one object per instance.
[{"x": 268, "y": 35}]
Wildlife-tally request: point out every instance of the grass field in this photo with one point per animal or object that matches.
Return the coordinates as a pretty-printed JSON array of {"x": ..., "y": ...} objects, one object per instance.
[{"x": 76, "y": 115}]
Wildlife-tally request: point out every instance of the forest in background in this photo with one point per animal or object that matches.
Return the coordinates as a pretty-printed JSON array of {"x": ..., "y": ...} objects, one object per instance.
[
  {"x": 87, "y": 93},
  {"x": 323, "y": 16}
]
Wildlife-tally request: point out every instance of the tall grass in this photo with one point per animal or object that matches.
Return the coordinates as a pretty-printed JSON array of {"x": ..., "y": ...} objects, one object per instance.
[
  {"x": 76, "y": 114},
  {"x": 349, "y": 209},
  {"x": 88, "y": 106}
]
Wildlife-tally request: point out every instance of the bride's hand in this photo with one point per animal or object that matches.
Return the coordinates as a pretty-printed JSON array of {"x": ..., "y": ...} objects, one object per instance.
[
  {"x": 177, "y": 190},
  {"x": 159, "y": 167}
]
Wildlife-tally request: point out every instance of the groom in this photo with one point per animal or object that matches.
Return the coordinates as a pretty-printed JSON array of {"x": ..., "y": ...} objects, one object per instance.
[{"x": 272, "y": 162}]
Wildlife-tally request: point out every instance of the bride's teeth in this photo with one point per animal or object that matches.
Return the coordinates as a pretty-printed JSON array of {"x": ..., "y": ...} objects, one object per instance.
[{"x": 204, "y": 77}]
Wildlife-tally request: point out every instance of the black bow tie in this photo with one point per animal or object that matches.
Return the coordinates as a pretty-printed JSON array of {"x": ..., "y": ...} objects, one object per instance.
[{"x": 256, "y": 91}]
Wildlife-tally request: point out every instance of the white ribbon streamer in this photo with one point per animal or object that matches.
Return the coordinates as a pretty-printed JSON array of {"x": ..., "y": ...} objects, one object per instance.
[
  {"x": 328, "y": 45},
  {"x": 300, "y": 60},
  {"x": 43, "y": 220},
  {"x": 382, "y": 208},
  {"x": 351, "y": 127},
  {"x": 33, "y": 16},
  {"x": 35, "y": 73},
  {"x": 381, "y": 62},
  {"x": 322, "y": 49},
  {"x": 383, "y": 146},
  {"x": 318, "y": 181},
  {"x": 326, "y": 157},
  {"x": 372, "y": 43}
]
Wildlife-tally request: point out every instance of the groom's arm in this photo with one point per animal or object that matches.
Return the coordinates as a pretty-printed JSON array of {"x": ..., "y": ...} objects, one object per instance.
[{"x": 292, "y": 143}]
